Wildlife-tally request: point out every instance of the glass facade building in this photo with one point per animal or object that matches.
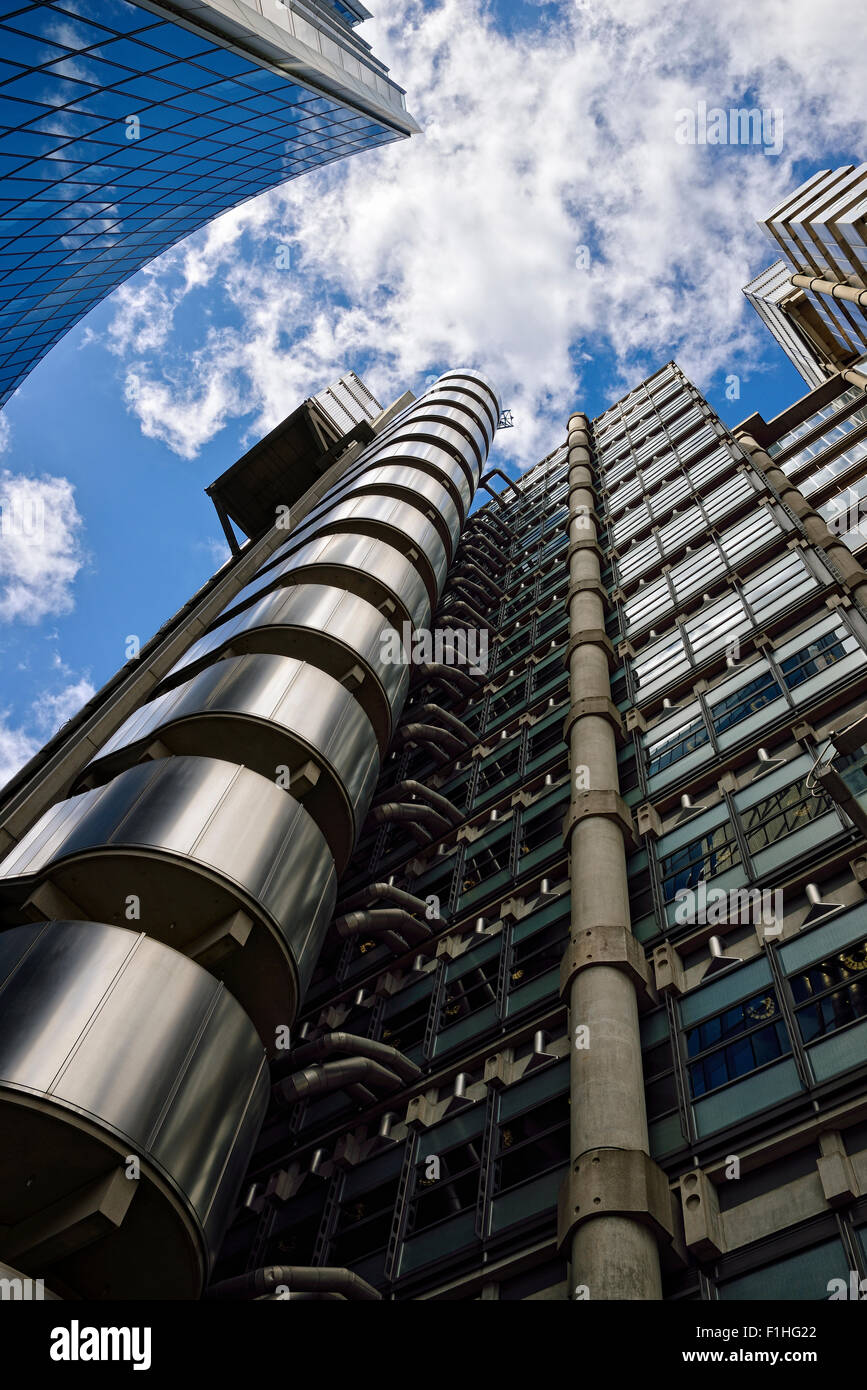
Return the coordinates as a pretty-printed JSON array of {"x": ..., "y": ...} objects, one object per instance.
[
  {"x": 578, "y": 998},
  {"x": 126, "y": 126}
]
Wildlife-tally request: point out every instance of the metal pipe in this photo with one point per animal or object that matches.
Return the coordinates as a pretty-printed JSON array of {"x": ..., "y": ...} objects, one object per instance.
[
  {"x": 471, "y": 547},
  {"x": 496, "y": 496},
  {"x": 461, "y": 681},
  {"x": 510, "y": 482},
  {"x": 452, "y": 723},
  {"x": 443, "y": 746},
  {"x": 435, "y": 799},
  {"x": 489, "y": 521},
  {"x": 459, "y": 605},
  {"x": 411, "y": 813},
  {"x": 470, "y": 590},
  {"x": 483, "y": 578},
  {"x": 334, "y": 1076},
  {"x": 296, "y": 1278},
  {"x": 389, "y": 893},
  {"x": 347, "y": 1044},
  {"x": 372, "y": 921}
]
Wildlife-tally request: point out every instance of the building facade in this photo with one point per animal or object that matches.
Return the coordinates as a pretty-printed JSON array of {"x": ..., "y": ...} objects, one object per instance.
[
  {"x": 126, "y": 126},
  {"x": 638, "y": 1021},
  {"x": 814, "y": 300},
  {"x": 519, "y": 849}
]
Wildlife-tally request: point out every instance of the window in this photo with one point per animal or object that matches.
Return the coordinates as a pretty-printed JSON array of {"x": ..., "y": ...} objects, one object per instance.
[
  {"x": 549, "y": 736},
  {"x": 493, "y": 772},
  {"x": 817, "y": 656},
  {"x": 532, "y": 1144},
  {"x": 746, "y": 701},
  {"x": 544, "y": 829},
  {"x": 782, "y": 813},
  {"x": 660, "y": 1085},
  {"x": 677, "y": 744},
  {"x": 506, "y": 702},
  {"x": 832, "y": 993},
  {"x": 713, "y": 853},
  {"x": 736, "y": 1042},
  {"x": 405, "y": 1017},
  {"x": 365, "y": 1215},
  {"x": 534, "y": 955},
  {"x": 473, "y": 990},
  {"x": 455, "y": 1188},
  {"x": 491, "y": 856}
]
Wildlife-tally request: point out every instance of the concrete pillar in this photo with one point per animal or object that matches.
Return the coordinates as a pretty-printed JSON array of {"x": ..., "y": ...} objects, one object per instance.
[
  {"x": 613, "y": 1198},
  {"x": 830, "y": 287},
  {"x": 815, "y": 526},
  {"x": 854, "y": 378}
]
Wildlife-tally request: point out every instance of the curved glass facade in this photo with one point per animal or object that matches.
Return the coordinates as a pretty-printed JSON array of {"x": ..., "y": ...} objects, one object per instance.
[{"x": 121, "y": 132}]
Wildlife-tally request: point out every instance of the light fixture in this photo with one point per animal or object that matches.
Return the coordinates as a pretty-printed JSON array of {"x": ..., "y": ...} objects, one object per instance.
[
  {"x": 688, "y": 810},
  {"x": 766, "y": 764},
  {"x": 539, "y": 1057},
  {"x": 719, "y": 961},
  {"x": 819, "y": 909},
  {"x": 459, "y": 1099},
  {"x": 384, "y": 1136}
]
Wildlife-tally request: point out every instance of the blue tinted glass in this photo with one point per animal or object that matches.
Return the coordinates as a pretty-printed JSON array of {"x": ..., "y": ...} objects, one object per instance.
[{"x": 60, "y": 26}]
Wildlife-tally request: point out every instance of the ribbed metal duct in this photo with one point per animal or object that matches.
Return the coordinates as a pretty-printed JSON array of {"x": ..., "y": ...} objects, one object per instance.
[
  {"x": 113, "y": 1043},
  {"x": 273, "y": 712},
  {"x": 114, "y": 1047},
  {"x": 399, "y": 523},
  {"x": 372, "y": 569},
  {"x": 333, "y": 629},
  {"x": 194, "y": 841}
]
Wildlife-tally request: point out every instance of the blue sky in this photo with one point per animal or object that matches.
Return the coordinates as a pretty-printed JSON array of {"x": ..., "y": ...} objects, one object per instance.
[{"x": 547, "y": 127}]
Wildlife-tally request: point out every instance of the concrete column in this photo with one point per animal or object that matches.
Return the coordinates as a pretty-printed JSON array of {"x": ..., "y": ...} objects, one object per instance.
[
  {"x": 815, "y": 526},
  {"x": 830, "y": 287},
  {"x": 614, "y": 1251},
  {"x": 854, "y": 378}
]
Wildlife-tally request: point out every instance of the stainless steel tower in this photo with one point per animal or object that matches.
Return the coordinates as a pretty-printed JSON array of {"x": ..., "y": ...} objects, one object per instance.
[{"x": 164, "y": 913}]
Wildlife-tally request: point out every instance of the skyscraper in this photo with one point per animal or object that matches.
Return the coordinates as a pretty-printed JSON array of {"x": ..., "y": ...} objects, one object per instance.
[
  {"x": 124, "y": 126},
  {"x": 609, "y": 905},
  {"x": 527, "y": 840},
  {"x": 815, "y": 300}
]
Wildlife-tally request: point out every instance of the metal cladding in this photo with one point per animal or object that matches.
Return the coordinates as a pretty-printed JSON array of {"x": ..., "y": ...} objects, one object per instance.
[
  {"x": 431, "y": 496},
  {"x": 330, "y": 627},
  {"x": 372, "y": 569},
  {"x": 112, "y": 1045},
  {"x": 193, "y": 841},
  {"x": 400, "y": 523},
  {"x": 273, "y": 711},
  {"x": 216, "y": 819}
]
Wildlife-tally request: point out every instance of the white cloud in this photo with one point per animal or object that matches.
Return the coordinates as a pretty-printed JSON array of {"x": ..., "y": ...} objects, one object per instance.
[
  {"x": 52, "y": 709},
  {"x": 16, "y": 748},
  {"x": 42, "y": 551},
  {"x": 217, "y": 551},
  {"x": 459, "y": 246},
  {"x": 47, "y": 713}
]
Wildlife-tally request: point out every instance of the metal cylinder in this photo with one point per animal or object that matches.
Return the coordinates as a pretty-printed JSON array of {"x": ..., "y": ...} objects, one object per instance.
[{"x": 215, "y": 821}]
